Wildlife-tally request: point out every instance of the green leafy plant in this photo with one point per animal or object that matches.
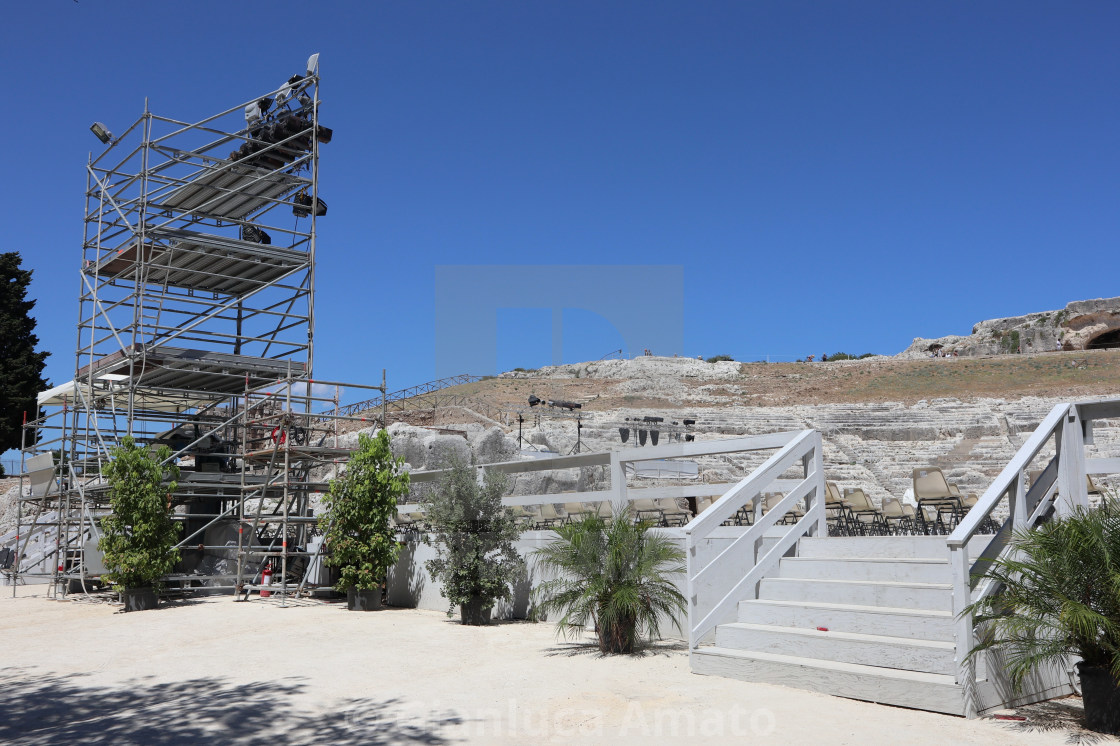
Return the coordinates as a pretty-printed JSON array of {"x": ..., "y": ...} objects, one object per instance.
[
  {"x": 358, "y": 520},
  {"x": 720, "y": 359},
  {"x": 138, "y": 538},
  {"x": 1060, "y": 597},
  {"x": 473, "y": 534},
  {"x": 614, "y": 574}
]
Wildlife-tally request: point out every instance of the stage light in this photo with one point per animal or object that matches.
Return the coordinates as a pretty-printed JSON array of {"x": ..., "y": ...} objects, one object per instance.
[
  {"x": 569, "y": 405},
  {"x": 255, "y": 234},
  {"x": 324, "y": 134},
  {"x": 689, "y": 422},
  {"x": 534, "y": 400},
  {"x": 689, "y": 438},
  {"x": 302, "y": 202},
  {"x": 653, "y": 419},
  {"x": 102, "y": 132},
  {"x": 313, "y": 64}
]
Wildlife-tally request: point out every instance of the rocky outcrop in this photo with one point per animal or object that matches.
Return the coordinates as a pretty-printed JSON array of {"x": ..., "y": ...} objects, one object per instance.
[{"x": 1080, "y": 325}]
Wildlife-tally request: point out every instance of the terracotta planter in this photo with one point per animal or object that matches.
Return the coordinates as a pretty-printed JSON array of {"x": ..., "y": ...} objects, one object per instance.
[
  {"x": 367, "y": 600},
  {"x": 139, "y": 599},
  {"x": 476, "y": 612},
  {"x": 1101, "y": 695}
]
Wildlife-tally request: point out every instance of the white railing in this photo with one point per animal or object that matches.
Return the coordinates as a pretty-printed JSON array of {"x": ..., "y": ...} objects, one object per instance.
[
  {"x": 1060, "y": 486},
  {"x": 718, "y": 579}
]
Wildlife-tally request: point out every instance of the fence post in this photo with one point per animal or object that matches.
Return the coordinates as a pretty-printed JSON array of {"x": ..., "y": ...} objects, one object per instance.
[
  {"x": 962, "y": 626},
  {"x": 1072, "y": 491},
  {"x": 618, "y": 483}
]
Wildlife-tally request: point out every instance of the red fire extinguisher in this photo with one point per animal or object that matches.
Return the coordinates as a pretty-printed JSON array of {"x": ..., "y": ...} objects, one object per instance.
[{"x": 266, "y": 580}]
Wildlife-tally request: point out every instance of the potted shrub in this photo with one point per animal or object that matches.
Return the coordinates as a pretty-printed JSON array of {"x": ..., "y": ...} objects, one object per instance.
[
  {"x": 1060, "y": 598},
  {"x": 358, "y": 522},
  {"x": 615, "y": 575},
  {"x": 138, "y": 538},
  {"x": 473, "y": 534}
]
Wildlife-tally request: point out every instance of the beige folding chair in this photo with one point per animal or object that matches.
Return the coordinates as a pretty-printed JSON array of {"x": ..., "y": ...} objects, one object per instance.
[
  {"x": 771, "y": 499},
  {"x": 896, "y": 517},
  {"x": 869, "y": 519},
  {"x": 647, "y": 510},
  {"x": 575, "y": 511},
  {"x": 550, "y": 518},
  {"x": 932, "y": 489},
  {"x": 672, "y": 512}
]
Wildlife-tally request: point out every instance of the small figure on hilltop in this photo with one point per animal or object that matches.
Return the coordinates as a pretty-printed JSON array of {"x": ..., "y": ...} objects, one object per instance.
[
  {"x": 824, "y": 357},
  {"x": 809, "y": 358},
  {"x": 1058, "y": 344}
]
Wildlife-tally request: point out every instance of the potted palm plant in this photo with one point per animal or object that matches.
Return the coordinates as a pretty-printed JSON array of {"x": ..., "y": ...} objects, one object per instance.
[
  {"x": 138, "y": 537},
  {"x": 473, "y": 535},
  {"x": 615, "y": 575},
  {"x": 358, "y": 521},
  {"x": 1060, "y": 598}
]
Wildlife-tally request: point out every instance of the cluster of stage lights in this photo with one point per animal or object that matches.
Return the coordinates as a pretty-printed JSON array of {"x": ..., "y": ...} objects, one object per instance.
[
  {"x": 649, "y": 428},
  {"x": 274, "y": 139}
]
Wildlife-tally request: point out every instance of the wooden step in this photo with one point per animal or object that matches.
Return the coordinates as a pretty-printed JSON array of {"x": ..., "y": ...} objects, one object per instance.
[
  {"x": 930, "y": 656},
  {"x": 925, "y": 691},
  {"x": 924, "y": 547},
  {"x": 932, "y": 596},
  {"x": 920, "y": 624},
  {"x": 910, "y": 569}
]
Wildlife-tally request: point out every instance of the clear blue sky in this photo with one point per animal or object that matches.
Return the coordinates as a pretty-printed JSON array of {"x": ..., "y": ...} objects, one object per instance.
[{"x": 830, "y": 175}]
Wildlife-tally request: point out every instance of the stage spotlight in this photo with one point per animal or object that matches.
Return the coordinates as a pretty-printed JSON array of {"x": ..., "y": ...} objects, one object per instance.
[
  {"x": 102, "y": 132},
  {"x": 324, "y": 134},
  {"x": 255, "y": 234},
  {"x": 653, "y": 419},
  {"x": 689, "y": 422},
  {"x": 302, "y": 202},
  {"x": 534, "y": 400},
  {"x": 569, "y": 405},
  {"x": 689, "y": 438}
]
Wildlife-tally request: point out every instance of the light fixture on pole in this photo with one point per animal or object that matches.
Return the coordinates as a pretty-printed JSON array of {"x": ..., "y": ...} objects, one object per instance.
[{"x": 102, "y": 132}]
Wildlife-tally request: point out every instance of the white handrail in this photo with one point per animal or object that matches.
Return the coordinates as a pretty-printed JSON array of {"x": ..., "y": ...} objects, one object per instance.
[
  {"x": 717, "y": 584},
  {"x": 1061, "y": 485}
]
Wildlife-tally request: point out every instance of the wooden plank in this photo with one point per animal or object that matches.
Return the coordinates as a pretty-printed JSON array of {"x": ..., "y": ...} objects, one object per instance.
[{"x": 924, "y": 691}]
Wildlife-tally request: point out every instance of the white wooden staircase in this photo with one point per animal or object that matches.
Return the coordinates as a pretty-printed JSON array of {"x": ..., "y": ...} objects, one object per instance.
[
  {"x": 863, "y": 617},
  {"x": 882, "y": 619}
]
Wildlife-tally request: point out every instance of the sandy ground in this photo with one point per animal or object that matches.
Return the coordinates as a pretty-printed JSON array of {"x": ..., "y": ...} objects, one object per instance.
[{"x": 216, "y": 670}]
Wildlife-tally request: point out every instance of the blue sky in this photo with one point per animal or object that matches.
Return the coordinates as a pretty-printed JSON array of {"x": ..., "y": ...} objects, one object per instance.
[{"x": 830, "y": 176}]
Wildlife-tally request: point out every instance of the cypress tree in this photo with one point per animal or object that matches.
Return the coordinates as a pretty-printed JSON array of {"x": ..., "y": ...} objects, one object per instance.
[{"x": 21, "y": 367}]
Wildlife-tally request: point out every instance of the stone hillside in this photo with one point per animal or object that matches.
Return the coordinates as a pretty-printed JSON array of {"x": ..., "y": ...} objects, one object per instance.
[{"x": 1081, "y": 325}]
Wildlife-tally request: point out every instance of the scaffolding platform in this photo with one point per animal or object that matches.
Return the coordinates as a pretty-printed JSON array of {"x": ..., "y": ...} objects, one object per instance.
[{"x": 201, "y": 262}]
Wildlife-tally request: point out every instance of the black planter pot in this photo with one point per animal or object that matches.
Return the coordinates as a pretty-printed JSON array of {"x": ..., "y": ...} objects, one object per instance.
[
  {"x": 1101, "y": 695},
  {"x": 475, "y": 612},
  {"x": 139, "y": 599},
  {"x": 363, "y": 600}
]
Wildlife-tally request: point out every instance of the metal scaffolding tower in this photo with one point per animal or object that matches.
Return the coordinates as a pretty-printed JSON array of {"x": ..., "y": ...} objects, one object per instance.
[{"x": 196, "y": 330}]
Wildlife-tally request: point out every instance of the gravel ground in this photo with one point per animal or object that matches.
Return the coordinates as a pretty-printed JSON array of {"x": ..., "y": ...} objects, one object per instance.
[{"x": 215, "y": 670}]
